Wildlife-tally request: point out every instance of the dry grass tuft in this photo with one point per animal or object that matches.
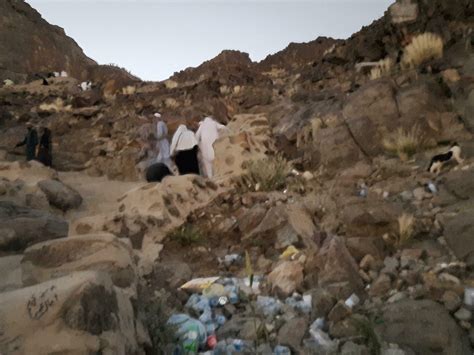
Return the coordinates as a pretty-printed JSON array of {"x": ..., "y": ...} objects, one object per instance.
[
  {"x": 423, "y": 48},
  {"x": 404, "y": 143},
  {"x": 406, "y": 229},
  {"x": 384, "y": 68},
  {"x": 268, "y": 174},
  {"x": 55, "y": 106}
]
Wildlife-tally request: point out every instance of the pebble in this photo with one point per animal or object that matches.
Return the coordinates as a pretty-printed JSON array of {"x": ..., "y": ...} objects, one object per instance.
[
  {"x": 391, "y": 265},
  {"x": 463, "y": 315},
  {"x": 367, "y": 263},
  {"x": 445, "y": 277},
  {"x": 397, "y": 297},
  {"x": 451, "y": 301}
]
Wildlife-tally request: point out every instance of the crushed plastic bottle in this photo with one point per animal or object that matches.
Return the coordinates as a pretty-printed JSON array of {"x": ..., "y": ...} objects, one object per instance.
[
  {"x": 363, "y": 190},
  {"x": 231, "y": 259},
  {"x": 191, "y": 333},
  {"x": 431, "y": 187},
  {"x": 268, "y": 306},
  {"x": 319, "y": 338},
  {"x": 352, "y": 301},
  {"x": 300, "y": 303},
  {"x": 469, "y": 297}
]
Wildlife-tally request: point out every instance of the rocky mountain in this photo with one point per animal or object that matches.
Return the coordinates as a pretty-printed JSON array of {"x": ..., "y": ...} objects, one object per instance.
[
  {"x": 322, "y": 232},
  {"x": 42, "y": 47}
]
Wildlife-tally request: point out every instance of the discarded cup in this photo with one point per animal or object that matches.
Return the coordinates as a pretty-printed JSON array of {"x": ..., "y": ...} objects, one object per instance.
[
  {"x": 352, "y": 301},
  {"x": 469, "y": 297}
]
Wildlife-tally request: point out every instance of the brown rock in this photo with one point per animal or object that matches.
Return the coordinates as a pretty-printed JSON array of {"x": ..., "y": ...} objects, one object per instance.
[
  {"x": 380, "y": 286},
  {"x": 339, "y": 312},
  {"x": 435, "y": 329},
  {"x": 286, "y": 278},
  {"x": 367, "y": 263},
  {"x": 451, "y": 301},
  {"x": 292, "y": 332},
  {"x": 336, "y": 265},
  {"x": 322, "y": 303}
]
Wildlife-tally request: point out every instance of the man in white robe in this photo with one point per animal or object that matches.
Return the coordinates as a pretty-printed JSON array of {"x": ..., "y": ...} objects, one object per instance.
[{"x": 206, "y": 135}]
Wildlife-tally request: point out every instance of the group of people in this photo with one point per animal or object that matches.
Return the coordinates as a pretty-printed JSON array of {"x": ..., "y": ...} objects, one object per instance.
[
  {"x": 37, "y": 149},
  {"x": 191, "y": 153}
]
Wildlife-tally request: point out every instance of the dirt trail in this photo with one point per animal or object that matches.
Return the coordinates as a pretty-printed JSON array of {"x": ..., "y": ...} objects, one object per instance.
[{"x": 99, "y": 193}]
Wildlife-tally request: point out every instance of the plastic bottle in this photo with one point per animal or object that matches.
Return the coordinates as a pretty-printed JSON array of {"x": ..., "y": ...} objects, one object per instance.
[
  {"x": 191, "y": 332},
  {"x": 281, "y": 350}
]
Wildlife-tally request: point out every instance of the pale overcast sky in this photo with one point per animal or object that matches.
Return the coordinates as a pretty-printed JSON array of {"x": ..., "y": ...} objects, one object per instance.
[{"x": 154, "y": 39}]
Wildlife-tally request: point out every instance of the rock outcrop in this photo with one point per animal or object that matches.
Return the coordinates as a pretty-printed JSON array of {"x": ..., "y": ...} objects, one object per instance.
[{"x": 42, "y": 47}]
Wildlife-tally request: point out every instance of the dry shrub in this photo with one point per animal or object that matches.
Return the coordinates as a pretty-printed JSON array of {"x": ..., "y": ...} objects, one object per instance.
[
  {"x": 171, "y": 84},
  {"x": 383, "y": 68},
  {"x": 55, "y": 106},
  {"x": 268, "y": 174},
  {"x": 405, "y": 143},
  {"x": 406, "y": 229},
  {"x": 129, "y": 90},
  {"x": 423, "y": 48}
]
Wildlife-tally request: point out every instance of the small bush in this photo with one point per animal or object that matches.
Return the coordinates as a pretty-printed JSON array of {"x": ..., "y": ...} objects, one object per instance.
[
  {"x": 384, "y": 68},
  {"x": 268, "y": 174},
  {"x": 161, "y": 333},
  {"x": 129, "y": 90},
  {"x": 423, "y": 48},
  {"x": 404, "y": 143},
  {"x": 366, "y": 330},
  {"x": 186, "y": 235}
]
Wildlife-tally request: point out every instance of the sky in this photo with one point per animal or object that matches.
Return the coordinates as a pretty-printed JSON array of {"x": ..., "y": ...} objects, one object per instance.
[{"x": 155, "y": 38}]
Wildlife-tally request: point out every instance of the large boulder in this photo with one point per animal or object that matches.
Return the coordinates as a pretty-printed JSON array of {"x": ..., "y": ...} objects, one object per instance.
[
  {"x": 11, "y": 273},
  {"x": 82, "y": 313},
  {"x": 423, "y": 326},
  {"x": 369, "y": 218},
  {"x": 22, "y": 226},
  {"x": 336, "y": 265},
  {"x": 60, "y": 195},
  {"x": 286, "y": 278},
  {"x": 98, "y": 252}
]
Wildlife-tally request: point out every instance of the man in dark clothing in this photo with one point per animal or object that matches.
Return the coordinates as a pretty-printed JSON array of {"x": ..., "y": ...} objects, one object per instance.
[
  {"x": 157, "y": 172},
  {"x": 31, "y": 141},
  {"x": 45, "y": 155}
]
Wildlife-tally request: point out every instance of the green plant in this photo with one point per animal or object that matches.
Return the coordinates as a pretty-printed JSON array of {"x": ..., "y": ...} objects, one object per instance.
[
  {"x": 405, "y": 143},
  {"x": 268, "y": 174},
  {"x": 161, "y": 333},
  {"x": 366, "y": 330},
  {"x": 422, "y": 48},
  {"x": 186, "y": 235}
]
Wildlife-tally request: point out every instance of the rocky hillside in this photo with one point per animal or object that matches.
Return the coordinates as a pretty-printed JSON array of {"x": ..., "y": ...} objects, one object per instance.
[
  {"x": 322, "y": 231},
  {"x": 42, "y": 47}
]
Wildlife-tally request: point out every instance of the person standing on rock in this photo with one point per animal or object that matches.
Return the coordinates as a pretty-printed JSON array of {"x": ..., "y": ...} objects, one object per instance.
[
  {"x": 184, "y": 149},
  {"x": 45, "y": 155},
  {"x": 162, "y": 145},
  {"x": 206, "y": 135},
  {"x": 31, "y": 141},
  {"x": 147, "y": 141}
]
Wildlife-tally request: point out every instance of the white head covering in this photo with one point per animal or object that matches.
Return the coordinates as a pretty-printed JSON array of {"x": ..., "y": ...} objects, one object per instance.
[
  {"x": 206, "y": 135},
  {"x": 157, "y": 115},
  {"x": 183, "y": 139}
]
